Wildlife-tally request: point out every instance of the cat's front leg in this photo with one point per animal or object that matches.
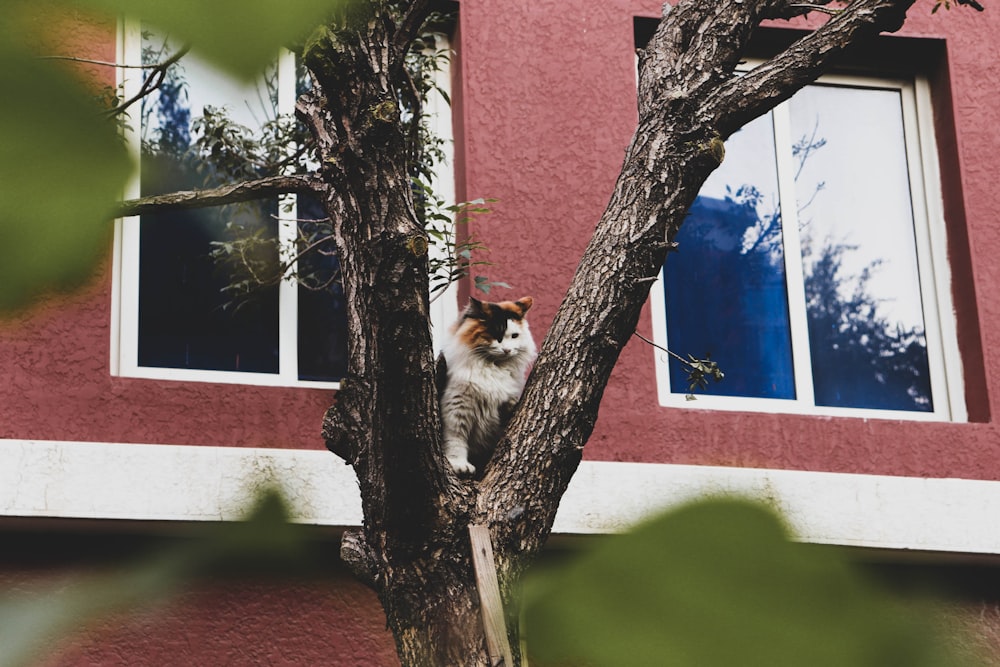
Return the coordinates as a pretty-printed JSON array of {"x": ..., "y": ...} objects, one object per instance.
[
  {"x": 458, "y": 416},
  {"x": 457, "y": 453}
]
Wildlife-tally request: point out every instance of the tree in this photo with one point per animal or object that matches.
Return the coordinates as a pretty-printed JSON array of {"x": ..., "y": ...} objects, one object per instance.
[{"x": 414, "y": 548}]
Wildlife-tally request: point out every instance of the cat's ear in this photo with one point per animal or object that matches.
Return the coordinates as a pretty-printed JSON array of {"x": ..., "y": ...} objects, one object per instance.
[
  {"x": 524, "y": 303},
  {"x": 476, "y": 309}
]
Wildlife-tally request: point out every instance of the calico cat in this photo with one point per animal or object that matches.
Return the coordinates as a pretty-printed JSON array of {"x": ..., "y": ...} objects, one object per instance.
[{"x": 481, "y": 373}]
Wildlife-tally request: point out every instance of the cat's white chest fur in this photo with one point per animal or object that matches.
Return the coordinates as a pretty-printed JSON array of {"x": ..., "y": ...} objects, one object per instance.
[{"x": 490, "y": 381}]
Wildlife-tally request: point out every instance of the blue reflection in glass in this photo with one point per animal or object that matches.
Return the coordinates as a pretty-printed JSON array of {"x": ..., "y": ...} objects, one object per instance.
[
  {"x": 729, "y": 304},
  {"x": 725, "y": 287},
  {"x": 862, "y": 281}
]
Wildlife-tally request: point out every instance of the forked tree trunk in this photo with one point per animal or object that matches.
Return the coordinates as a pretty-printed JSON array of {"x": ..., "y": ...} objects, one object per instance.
[{"x": 414, "y": 546}]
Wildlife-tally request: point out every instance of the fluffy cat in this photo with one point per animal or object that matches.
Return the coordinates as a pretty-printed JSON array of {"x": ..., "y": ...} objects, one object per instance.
[{"x": 481, "y": 372}]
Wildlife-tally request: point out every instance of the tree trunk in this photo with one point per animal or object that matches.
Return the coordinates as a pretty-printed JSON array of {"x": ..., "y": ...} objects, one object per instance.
[{"x": 413, "y": 549}]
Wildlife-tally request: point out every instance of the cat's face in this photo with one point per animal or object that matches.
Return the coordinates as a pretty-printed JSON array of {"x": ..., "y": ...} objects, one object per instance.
[{"x": 498, "y": 331}]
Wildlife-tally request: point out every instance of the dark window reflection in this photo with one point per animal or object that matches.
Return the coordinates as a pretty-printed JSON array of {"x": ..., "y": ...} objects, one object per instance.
[
  {"x": 186, "y": 320},
  {"x": 322, "y": 330},
  {"x": 203, "y": 305}
]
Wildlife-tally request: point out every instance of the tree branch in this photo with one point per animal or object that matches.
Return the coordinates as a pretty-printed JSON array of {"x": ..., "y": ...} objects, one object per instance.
[
  {"x": 744, "y": 98},
  {"x": 263, "y": 188},
  {"x": 412, "y": 19},
  {"x": 103, "y": 63},
  {"x": 152, "y": 82},
  {"x": 682, "y": 112}
]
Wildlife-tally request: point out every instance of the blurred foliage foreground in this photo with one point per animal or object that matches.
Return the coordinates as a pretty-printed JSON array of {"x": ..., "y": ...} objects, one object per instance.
[{"x": 716, "y": 583}]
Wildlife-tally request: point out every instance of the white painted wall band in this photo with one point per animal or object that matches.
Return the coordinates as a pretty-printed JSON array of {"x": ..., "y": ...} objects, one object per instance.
[{"x": 156, "y": 483}]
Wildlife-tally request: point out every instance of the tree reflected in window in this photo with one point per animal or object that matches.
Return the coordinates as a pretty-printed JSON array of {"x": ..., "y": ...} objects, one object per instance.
[{"x": 848, "y": 303}]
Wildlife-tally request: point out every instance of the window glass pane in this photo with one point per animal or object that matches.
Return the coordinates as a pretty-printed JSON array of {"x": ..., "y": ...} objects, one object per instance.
[
  {"x": 866, "y": 321},
  {"x": 322, "y": 327},
  {"x": 725, "y": 287},
  {"x": 189, "y": 315}
]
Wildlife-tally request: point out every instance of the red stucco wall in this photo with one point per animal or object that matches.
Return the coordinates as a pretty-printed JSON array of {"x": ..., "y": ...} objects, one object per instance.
[
  {"x": 326, "y": 618},
  {"x": 546, "y": 110}
]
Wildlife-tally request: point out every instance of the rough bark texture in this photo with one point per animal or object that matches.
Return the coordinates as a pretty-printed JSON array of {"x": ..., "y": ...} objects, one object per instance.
[{"x": 413, "y": 548}]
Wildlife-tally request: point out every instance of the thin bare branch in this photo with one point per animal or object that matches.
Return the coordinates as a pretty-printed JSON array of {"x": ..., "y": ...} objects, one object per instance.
[
  {"x": 661, "y": 348},
  {"x": 103, "y": 63},
  {"x": 152, "y": 82},
  {"x": 263, "y": 188}
]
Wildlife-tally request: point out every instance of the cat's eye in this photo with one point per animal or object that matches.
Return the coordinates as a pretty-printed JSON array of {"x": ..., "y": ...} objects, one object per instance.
[{"x": 514, "y": 335}]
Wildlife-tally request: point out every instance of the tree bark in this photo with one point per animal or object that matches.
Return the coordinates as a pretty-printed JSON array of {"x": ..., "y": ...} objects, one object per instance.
[{"x": 413, "y": 548}]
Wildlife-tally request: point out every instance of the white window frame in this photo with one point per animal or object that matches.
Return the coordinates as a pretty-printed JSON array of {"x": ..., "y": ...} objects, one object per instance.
[
  {"x": 125, "y": 267},
  {"x": 944, "y": 359}
]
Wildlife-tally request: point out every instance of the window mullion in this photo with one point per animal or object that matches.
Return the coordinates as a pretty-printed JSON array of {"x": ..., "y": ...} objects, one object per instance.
[
  {"x": 794, "y": 274},
  {"x": 125, "y": 298},
  {"x": 288, "y": 302},
  {"x": 444, "y": 308}
]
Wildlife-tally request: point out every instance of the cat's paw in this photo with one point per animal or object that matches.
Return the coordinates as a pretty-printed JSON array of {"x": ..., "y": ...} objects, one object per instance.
[{"x": 461, "y": 466}]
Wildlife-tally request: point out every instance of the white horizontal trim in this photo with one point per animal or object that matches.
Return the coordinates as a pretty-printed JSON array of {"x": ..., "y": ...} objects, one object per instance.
[
  {"x": 226, "y": 377},
  {"x": 150, "y": 483}
]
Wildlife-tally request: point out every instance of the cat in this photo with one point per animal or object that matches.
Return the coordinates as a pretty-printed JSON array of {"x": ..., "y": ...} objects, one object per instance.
[{"x": 481, "y": 373}]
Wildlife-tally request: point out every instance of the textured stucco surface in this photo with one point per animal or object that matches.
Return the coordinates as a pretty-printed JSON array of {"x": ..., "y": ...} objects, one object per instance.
[
  {"x": 329, "y": 620},
  {"x": 279, "y": 623}
]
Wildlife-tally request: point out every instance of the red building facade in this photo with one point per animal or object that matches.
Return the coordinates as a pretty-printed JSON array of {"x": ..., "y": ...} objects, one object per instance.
[{"x": 543, "y": 109}]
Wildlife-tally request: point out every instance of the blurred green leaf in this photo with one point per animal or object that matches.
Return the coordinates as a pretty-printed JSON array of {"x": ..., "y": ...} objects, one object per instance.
[
  {"x": 62, "y": 169},
  {"x": 716, "y": 584},
  {"x": 240, "y": 36}
]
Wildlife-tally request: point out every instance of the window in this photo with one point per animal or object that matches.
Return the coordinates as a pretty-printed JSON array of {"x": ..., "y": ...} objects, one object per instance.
[
  {"x": 190, "y": 307},
  {"x": 812, "y": 266}
]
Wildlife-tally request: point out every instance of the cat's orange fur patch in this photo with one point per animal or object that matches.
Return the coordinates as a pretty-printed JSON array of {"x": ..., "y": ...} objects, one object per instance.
[{"x": 472, "y": 333}]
